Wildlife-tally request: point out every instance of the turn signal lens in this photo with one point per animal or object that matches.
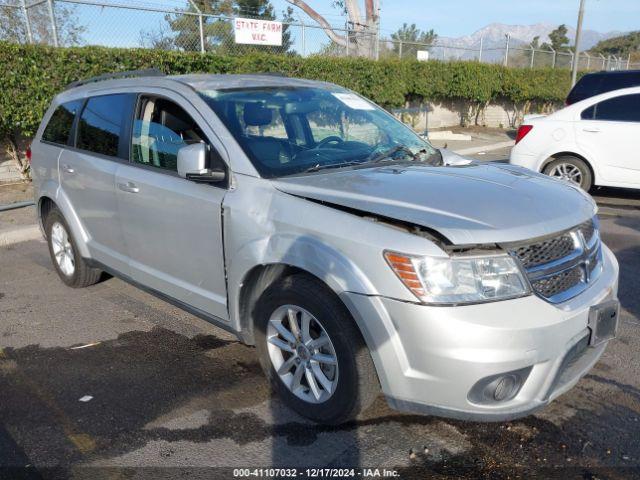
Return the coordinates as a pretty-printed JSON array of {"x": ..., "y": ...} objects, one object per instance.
[{"x": 404, "y": 269}]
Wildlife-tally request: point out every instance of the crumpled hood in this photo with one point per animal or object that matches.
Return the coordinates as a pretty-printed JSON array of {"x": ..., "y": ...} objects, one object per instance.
[{"x": 470, "y": 204}]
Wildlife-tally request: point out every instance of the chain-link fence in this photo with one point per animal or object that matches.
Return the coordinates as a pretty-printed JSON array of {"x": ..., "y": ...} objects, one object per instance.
[{"x": 181, "y": 25}]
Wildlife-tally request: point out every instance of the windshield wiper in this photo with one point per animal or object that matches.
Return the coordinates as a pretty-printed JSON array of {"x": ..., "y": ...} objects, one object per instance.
[
  {"x": 319, "y": 166},
  {"x": 385, "y": 155}
]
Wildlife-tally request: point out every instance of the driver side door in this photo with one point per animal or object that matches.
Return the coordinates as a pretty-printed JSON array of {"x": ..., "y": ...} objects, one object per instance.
[{"x": 172, "y": 226}]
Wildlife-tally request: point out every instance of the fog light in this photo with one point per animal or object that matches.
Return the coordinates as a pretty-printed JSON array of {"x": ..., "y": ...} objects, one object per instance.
[
  {"x": 498, "y": 388},
  {"x": 505, "y": 387}
]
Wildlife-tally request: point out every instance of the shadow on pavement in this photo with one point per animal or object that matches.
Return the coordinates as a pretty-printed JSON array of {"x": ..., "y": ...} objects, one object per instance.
[{"x": 141, "y": 379}]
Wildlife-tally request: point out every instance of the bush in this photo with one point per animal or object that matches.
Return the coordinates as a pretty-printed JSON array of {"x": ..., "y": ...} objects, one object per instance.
[{"x": 33, "y": 74}]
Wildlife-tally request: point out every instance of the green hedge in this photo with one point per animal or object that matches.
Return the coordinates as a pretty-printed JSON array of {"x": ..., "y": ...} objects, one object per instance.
[{"x": 32, "y": 75}]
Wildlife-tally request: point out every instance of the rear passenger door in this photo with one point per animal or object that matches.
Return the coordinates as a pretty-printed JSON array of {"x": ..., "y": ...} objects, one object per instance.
[
  {"x": 610, "y": 130},
  {"x": 172, "y": 226},
  {"x": 87, "y": 174}
]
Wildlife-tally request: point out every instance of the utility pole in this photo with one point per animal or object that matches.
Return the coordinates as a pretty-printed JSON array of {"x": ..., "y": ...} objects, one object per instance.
[
  {"x": 200, "y": 25},
  {"x": 28, "y": 22},
  {"x": 574, "y": 66},
  {"x": 54, "y": 27},
  {"x": 506, "y": 50}
]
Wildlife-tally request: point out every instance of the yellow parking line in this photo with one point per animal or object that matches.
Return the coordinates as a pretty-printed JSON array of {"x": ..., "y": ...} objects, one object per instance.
[{"x": 83, "y": 442}]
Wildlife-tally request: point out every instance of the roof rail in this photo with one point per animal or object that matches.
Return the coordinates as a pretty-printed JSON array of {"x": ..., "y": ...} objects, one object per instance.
[{"x": 151, "y": 72}]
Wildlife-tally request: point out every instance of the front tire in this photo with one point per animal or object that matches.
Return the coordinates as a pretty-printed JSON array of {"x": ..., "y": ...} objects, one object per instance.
[
  {"x": 72, "y": 269},
  {"x": 572, "y": 169},
  {"x": 312, "y": 352}
]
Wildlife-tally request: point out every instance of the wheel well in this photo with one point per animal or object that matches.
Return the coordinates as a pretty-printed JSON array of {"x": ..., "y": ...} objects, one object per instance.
[
  {"x": 254, "y": 284},
  {"x": 555, "y": 156},
  {"x": 45, "y": 205}
]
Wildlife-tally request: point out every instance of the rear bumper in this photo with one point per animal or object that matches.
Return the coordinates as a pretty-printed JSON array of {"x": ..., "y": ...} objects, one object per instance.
[
  {"x": 522, "y": 158},
  {"x": 429, "y": 358}
]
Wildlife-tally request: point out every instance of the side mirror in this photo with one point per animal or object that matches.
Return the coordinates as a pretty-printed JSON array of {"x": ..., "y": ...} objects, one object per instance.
[{"x": 192, "y": 161}]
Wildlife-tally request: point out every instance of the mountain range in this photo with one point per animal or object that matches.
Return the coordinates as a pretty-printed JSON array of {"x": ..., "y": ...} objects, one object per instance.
[
  {"x": 493, "y": 35},
  {"x": 520, "y": 36}
]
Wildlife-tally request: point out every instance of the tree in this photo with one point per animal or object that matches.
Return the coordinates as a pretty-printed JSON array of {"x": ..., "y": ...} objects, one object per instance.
[
  {"x": 361, "y": 39},
  {"x": 13, "y": 27},
  {"x": 535, "y": 43},
  {"x": 186, "y": 29},
  {"x": 622, "y": 46},
  {"x": 412, "y": 39},
  {"x": 559, "y": 39}
]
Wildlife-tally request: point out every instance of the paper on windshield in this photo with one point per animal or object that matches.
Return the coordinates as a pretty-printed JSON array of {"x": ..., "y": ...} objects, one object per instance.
[{"x": 353, "y": 101}]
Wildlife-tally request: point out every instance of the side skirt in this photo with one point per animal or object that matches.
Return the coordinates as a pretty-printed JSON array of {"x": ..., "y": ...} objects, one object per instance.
[{"x": 216, "y": 321}]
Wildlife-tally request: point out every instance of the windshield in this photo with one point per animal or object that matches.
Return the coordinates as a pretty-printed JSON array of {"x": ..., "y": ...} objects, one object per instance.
[{"x": 291, "y": 130}]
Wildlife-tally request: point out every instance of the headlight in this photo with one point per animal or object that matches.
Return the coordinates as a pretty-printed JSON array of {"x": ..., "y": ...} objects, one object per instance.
[{"x": 456, "y": 280}]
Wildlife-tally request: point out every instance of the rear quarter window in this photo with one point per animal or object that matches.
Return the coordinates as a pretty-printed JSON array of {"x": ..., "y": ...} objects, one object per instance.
[{"x": 60, "y": 124}]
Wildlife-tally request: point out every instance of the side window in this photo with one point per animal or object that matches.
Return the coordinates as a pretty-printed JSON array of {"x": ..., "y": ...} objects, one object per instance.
[
  {"x": 160, "y": 129},
  {"x": 103, "y": 123},
  {"x": 625, "y": 108},
  {"x": 588, "y": 113},
  {"x": 59, "y": 127}
]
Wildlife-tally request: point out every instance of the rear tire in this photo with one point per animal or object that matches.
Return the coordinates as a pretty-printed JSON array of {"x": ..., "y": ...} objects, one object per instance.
[
  {"x": 72, "y": 269},
  {"x": 572, "y": 169},
  {"x": 352, "y": 380}
]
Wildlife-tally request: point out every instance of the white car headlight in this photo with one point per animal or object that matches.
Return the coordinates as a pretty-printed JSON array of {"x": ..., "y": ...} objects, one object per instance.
[{"x": 459, "y": 279}]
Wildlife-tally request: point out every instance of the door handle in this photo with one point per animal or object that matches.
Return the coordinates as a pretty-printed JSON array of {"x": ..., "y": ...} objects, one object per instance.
[
  {"x": 591, "y": 129},
  {"x": 68, "y": 168},
  {"x": 128, "y": 187}
]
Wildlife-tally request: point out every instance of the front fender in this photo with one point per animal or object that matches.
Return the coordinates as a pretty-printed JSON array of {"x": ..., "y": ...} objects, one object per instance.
[
  {"x": 304, "y": 253},
  {"x": 263, "y": 226}
]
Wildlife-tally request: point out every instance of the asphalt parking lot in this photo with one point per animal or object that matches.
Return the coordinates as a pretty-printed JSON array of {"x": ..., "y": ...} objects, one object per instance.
[{"x": 109, "y": 382}]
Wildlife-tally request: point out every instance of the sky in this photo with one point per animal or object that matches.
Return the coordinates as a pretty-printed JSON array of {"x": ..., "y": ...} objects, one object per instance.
[{"x": 454, "y": 18}]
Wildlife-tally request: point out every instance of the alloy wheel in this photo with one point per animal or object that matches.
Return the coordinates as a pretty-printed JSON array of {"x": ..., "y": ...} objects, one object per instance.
[
  {"x": 567, "y": 172},
  {"x": 62, "y": 249},
  {"x": 302, "y": 354}
]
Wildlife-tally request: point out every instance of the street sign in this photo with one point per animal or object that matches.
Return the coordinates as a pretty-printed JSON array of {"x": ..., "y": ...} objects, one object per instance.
[{"x": 258, "y": 32}]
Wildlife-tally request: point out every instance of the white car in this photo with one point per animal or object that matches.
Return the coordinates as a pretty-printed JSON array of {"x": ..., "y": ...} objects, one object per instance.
[{"x": 592, "y": 142}]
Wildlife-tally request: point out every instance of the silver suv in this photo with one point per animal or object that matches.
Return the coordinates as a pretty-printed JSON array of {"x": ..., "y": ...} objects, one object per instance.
[{"x": 314, "y": 225}]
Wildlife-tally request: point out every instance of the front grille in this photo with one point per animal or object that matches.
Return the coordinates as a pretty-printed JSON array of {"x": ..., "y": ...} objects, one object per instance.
[
  {"x": 561, "y": 267},
  {"x": 558, "y": 283},
  {"x": 587, "y": 228},
  {"x": 546, "y": 251}
]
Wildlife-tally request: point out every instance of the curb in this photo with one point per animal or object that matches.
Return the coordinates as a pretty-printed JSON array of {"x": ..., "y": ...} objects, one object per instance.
[
  {"x": 21, "y": 234},
  {"x": 485, "y": 148}
]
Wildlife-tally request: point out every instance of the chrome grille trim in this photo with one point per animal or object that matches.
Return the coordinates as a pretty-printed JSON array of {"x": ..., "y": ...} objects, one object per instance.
[{"x": 562, "y": 277}]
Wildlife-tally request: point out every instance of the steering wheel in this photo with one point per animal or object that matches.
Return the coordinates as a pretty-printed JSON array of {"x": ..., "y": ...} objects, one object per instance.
[{"x": 329, "y": 139}]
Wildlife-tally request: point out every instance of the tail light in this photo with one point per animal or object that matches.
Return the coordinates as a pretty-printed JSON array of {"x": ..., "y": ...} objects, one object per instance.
[
  {"x": 522, "y": 132},
  {"x": 28, "y": 154}
]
